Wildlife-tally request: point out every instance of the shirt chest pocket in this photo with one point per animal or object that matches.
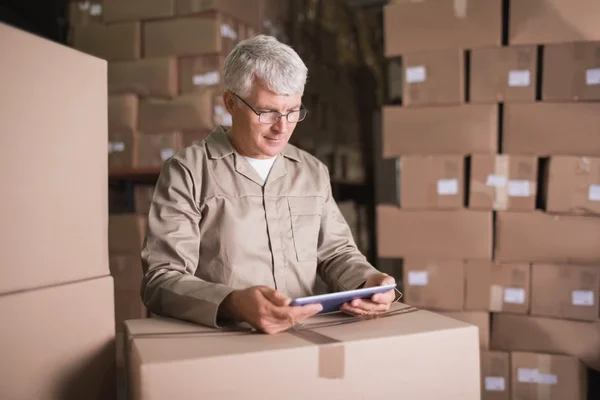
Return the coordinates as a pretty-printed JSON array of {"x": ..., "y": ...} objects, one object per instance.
[{"x": 305, "y": 215}]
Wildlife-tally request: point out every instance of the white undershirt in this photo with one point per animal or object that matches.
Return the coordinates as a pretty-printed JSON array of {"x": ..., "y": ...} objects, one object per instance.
[{"x": 262, "y": 166}]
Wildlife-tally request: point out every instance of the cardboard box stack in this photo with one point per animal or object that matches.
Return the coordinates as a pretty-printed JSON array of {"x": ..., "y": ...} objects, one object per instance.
[
  {"x": 56, "y": 293},
  {"x": 491, "y": 181}
]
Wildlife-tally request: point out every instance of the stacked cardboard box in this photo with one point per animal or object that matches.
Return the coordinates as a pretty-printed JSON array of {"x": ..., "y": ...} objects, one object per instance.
[
  {"x": 470, "y": 141},
  {"x": 56, "y": 293}
]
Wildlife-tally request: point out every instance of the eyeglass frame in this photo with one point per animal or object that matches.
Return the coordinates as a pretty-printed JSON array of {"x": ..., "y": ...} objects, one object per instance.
[{"x": 280, "y": 115}]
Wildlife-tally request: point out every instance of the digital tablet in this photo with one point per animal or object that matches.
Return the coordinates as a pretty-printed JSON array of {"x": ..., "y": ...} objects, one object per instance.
[{"x": 332, "y": 301}]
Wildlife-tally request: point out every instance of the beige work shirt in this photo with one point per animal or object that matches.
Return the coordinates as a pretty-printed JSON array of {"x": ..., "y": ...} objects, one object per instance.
[{"x": 214, "y": 228}]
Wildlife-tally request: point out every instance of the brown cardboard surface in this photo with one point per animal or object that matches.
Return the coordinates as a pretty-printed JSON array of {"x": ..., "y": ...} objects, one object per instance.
[
  {"x": 85, "y": 12},
  {"x": 431, "y": 182},
  {"x": 565, "y": 291},
  {"x": 495, "y": 375},
  {"x": 142, "y": 196},
  {"x": 115, "y": 42},
  {"x": 189, "y": 138},
  {"x": 120, "y": 150},
  {"x": 58, "y": 342},
  {"x": 137, "y": 10},
  {"x": 503, "y": 74},
  {"x": 127, "y": 273},
  {"x": 330, "y": 355},
  {"x": 451, "y": 234},
  {"x": 189, "y": 112},
  {"x": 53, "y": 119},
  {"x": 461, "y": 129},
  {"x": 571, "y": 71},
  {"x": 152, "y": 150},
  {"x": 126, "y": 233},
  {"x": 573, "y": 185},
  {"x": 538, "y": 236},
  {"x": 434, "y": 78},
  {"x": 547, "y": 376},
  {"x": 436, "y": 285},
  {"x": 497, "y": 287},
  {"x": 503, "y": 182},
  {"x": 150, "y": 77},
  {"x": 123, "y": 111},
  {"x": 548, "y": 335},
  {"x": 552, "y": 129},
  {"x": 478, "y": 318},
  {"x": 441, "y": 24},
  {"x": 246, "y": 11},
  {"x": 199, "y": 73},
  {"x": 553, "y": 21}
]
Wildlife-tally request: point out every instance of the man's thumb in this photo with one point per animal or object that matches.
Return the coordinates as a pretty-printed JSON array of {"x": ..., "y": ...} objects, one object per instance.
[{"x": 276, "y": 297}]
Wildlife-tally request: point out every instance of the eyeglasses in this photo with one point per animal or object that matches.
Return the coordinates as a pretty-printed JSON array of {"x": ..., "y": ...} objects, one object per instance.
[{"x": 273, "y": 117}]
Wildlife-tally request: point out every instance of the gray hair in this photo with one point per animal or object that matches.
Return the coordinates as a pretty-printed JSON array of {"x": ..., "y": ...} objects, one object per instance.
[{"x": 264, "y": 58}]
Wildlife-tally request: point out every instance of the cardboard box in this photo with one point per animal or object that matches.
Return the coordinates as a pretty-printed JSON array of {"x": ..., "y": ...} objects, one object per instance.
[
  {"x": 115, "y": 42},
  {"x": 189, "y": 138},
  {"x": 573, "y": 185},
  {"x": 152, "y": 150},
  {"x": 503, "y": 74},
  {"x": 58, "y": 342},
  {"x": 150, "y": 77},
  {"x": 497, "y": 287},
  {"x": 538, "y": 236},
  {"x": 495, "y": 375},
  {"x": 440, "y": 25},
  {"x": 431, "y": 182},
  {"x": 571, "y": 71},
  {"x": 142, "y": 196},
  {"x": 461, "y": 129},
  {"x": 436, "y": 285},
  {"x": 548, "y": 335},
  {"x": 452, "y": 234},
  {"x": 553, "y": 21},
  {"x": 330, "y": 353},
  {"x": 547, "y": 376},
  {"x": 552, "y": 129},
  {"x": 120, "y": 150},
  {"x": 434, "y": 78},
  {"x": 54, "y": 133},
  {"x": 85, "y": 12},
  {"x": 189, "y": 112},
  {"x": 503, "y": 182},
  {"x": 200, "y": 73},
  {"x": 565, "y": 291},
  {"x": 478, "y": 318},
  {"x": 126, "y": 233},
  {"x": 246, "y": 11},
  {"x": 123, "y": 111},
  {"x": 137, "y": 10},
  {"x": 127, "y": 272}
]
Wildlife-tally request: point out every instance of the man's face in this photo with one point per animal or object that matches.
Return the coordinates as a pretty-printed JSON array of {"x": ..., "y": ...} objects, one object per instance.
[{"x": 253, "y": 138}]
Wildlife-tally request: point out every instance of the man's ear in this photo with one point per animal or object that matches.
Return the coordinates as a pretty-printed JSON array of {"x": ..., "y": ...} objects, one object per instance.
[{"x": 229, "y": 101}]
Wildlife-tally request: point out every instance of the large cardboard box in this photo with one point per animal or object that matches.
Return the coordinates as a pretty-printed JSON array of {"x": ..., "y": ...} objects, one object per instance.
[
  {"x": 495, "y": 375},
  {"x": 565, "y": 291},
  {"x": 461, "y": 129},
  {"x": 571, "y": 71},
  {"x": 115, "y": 42},
  {"x": 189, "y": 112},
  {"x": 455, "y": 234},
  {"x": 330, "y": 354},
  {"x": 434, "y": 78},
  {"x": 137, "y": 10},
  {"x": 478, "y": 318},
  {"x": 436, "y": 285},
  {"x": 126, "y": 233},
  {"x": 202, "y": 72},
  {"x": 127, "y": 273},
  {"x": 547, "y": 376},
  {"x": 538, "y": 236},
  {"x": 552, "y": 129},
  {"x": 247, "y": 11},
  {"x": 440, "y": 25},
  {"x": 120, "y": 150},
  {"x": 150, "y": 77},
  {"x": 573, "y": 185},
  {"x": 503, "y": 182},
  {"x": 152, "y": 150},
  {"x": 123, "y": 113},
  {"x": 497, "y": 287},
  {"x": 503, "y": 74},
  {"x": 548, "y": 335},
  {"x": 553, "y": 21}
]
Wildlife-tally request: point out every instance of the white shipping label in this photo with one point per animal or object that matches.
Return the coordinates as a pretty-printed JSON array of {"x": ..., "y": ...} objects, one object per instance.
[
  {"x": 582, "y": 297},
  {"x": 115, "y": 147},
  {"x": 518, "y": 188},
  {"x": 496, "y": 181},
  {"x": 592, "y": 76},
  {"x": 166, "y": 153},
  {"x": 84, "y": 6},
  {"x": 96, "y": 10},
  {"x": 228, "y": 32},
  {"x": 514, "y": 295},
  {"x": 416, "y": 74},
  {"x": 527, "y": 375},
  {"x": 495, "y": 384},
  {"x": 220, "y": 110},
  {"x": 227, "y": 119},
  {"x": 519, "y": 78},
  {"x": 594, "y": 194},
  {"x": 447, "y": 187},
  {"x": 547, "y": 379},
  {"x": 418, "y": 278},
  {"x": 208, "y": 79}
]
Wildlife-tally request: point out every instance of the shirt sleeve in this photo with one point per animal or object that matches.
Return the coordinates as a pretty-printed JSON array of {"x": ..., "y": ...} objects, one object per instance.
[{"x": 170, "y": 252}]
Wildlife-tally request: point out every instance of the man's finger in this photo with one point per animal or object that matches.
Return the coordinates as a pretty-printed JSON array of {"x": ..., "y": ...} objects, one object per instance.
[
  {"x": 276, "y": 297},
  {"x": 368, "y": 305},
  {"x": 306, "y": 311},
  {"x": 384, "y": 298}
]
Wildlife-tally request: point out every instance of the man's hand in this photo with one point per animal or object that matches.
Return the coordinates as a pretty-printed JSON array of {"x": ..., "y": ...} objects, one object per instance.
[
  {"x": 266, "y": 309},
  {"x": 378, "y": 303}
]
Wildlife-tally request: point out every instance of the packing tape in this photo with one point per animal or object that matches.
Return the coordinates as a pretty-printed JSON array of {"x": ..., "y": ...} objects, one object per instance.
[
  {"x": 501, "y": 192},
  {"x": 544, "y": 365},
  {"x": 460, "y": 8},
  {"x": 496, "y": 299}
]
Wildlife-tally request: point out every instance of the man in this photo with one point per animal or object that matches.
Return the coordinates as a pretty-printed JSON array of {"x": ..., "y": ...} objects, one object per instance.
[{"x": 242, "y": 222}]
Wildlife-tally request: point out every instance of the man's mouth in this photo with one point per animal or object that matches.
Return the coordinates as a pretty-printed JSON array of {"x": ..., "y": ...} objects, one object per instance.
[{"x": 273, "y": 139}]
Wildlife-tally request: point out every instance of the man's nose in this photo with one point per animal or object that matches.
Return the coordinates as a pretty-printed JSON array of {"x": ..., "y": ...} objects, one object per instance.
[{"x": 281, "y": 125}]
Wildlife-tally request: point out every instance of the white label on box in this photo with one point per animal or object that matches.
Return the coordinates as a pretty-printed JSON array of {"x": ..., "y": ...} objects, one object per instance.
[
  {"x": 115, "y": 147},
  {"x": 594, "y": 194},
  {"x": 418, "y": 278},
  {"x": 227, "y": 119},
  {"x": 96, "y": 10},
  {"x": 228, "y": 32},
  {"x": 219, "y": 110},
  {"x": 592, "y": 76},
  {"x": 519, "y": 78},
  {"x": 514, "y": 295},
  {"x": 447, "y": 187},
  {"x": 496, "y": 181},
  {"x": 84, "y": 6},
  {"x": 582, "y": 297},
  {"x": 495, "y": 384},
  {"x": 166, "y": 153},
  {"x": 416, "y": 74},
  {"x": 547, "y": 379},
  {"x": 530, "y": 375},
  {"x": 209, "y": 78},
  {"x": 518, "y": 188}
]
